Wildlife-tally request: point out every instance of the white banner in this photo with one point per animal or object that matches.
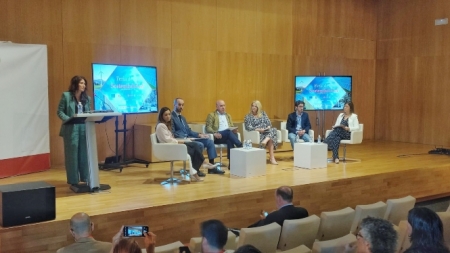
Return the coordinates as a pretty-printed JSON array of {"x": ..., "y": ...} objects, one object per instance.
[{"x": 24, "y": 123}]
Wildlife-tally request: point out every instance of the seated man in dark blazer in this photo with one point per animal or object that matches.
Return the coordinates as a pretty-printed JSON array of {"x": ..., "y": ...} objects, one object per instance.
[
  {"x": 286, "y": 210},
  {"x": 298, "y": 124},
  {"x": 181, "y": 129}
]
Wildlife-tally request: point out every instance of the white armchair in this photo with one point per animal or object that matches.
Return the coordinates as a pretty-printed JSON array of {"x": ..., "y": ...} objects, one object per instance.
[
  {"x": 218, "y": 146},
  {"x": 285, "y": 133},
  {"x": 356, "y": 137},
  {"x": 253, "y": 136},
  {"x": 169, "y": 152}
]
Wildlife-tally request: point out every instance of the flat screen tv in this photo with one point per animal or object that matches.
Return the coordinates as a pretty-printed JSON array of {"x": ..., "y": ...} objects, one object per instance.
[
  {"x": 323, "y": 92},
  {"x": 128, "y": 89}
]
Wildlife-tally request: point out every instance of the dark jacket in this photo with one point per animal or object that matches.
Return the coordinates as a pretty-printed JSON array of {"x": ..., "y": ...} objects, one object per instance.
[
  {"x": 291, "y": 124},
  {"x": 289, "y": 212}
]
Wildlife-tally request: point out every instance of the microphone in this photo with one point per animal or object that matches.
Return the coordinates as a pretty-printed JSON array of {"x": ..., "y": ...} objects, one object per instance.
[{"x": 104, "y": 103}]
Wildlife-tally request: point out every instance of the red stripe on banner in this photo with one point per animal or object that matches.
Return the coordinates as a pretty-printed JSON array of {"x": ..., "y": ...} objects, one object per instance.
[{"x": 24, "y": 165}]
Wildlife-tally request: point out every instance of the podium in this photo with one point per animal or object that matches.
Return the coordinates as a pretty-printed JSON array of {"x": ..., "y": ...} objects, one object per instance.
[{"x": 89, "y": 119}]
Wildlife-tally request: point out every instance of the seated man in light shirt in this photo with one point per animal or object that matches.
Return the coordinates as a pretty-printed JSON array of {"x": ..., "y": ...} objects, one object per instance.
[
  {"x": 298, "y": 124},
  {"x": 219, "y": 123}
]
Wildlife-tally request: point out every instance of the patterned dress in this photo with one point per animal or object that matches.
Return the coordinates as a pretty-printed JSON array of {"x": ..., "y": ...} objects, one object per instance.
[
  {"x": 253, "y": 122},
  {"x": 334, "y": 138}
]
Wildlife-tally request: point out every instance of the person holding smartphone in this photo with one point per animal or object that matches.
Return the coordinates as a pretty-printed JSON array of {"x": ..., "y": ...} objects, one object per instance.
[
  {"x": 285, "y": 209},
  {"x": 123, "y": 244}
]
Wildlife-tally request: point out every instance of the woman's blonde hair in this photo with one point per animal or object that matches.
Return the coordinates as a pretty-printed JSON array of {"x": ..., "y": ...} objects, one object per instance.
[{"x": 259, "y": 106}]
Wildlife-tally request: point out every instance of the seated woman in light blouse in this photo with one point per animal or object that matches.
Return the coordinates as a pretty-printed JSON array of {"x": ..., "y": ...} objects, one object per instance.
[
  {"x": 164, "y": 135},
  {"x": 257, "y": 120},
  {"x": 345, "y": 123}
]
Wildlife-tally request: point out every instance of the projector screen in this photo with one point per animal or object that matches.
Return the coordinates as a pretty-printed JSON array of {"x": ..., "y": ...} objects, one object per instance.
[
  {"x": 127, "y": 89},
  {"x": 323, "y": 92}
]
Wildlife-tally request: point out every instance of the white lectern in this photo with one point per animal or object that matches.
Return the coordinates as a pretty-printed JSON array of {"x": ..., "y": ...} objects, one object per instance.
[{"x": 89, "y": 119}]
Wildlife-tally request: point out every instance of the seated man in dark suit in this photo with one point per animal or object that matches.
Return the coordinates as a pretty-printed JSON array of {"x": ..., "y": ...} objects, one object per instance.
[
  {"x": 286, "y": 210},
  {"x": 181, "y": 129},
  {"x": 298, "y": 124}
]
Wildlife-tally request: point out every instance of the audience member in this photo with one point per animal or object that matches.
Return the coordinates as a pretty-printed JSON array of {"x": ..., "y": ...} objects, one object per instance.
[
  {"x": 81, "y": 229},
  {"x": 181, "y": 129},
  {"x": 219, "y": 123},
  {"x": 286, "y": 210},
  {"x": 164, "y": 135},
  {"x": 375, "y": 236},
  {"x": 425, "y": 231},
  {"x": 129, "y": 245},
  {"x": 257, "y": 120},
  {"x": 345, "y": 123},
  {"x": 214, "y": 236},
  {"x": 247, "y": 248},
  {"x": 298, "y": 124}
]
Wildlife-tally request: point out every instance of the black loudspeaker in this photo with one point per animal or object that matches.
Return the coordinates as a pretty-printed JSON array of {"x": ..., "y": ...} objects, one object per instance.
[{"x": 26, "y": 203}]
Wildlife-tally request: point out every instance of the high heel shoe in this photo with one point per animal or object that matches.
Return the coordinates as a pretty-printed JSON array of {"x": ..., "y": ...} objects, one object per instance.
[
  {"x": 196, "y": 178},
  {"x": 273, "y": 161},
  {"x": 336, "y": 161},
  {"x": 209, "y": 166}
]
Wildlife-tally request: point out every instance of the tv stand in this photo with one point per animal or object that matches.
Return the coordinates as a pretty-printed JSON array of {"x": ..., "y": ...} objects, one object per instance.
[{"x": 119, "y": 165}]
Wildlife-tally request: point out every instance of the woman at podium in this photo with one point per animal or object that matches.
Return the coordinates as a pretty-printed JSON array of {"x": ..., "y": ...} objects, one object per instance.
[{"x": 74, "y": 135}]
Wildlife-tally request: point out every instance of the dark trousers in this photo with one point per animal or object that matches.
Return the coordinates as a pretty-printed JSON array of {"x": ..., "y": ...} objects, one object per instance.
[
  {"x": 334, "y": 140},
  {"x": 229, "y": 138},
  {"x": 195, "y": 151}
]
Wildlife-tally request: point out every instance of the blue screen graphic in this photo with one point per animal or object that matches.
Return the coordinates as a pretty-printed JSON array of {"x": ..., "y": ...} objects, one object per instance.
[
  {"x": 125, "y": 89},
  {"x": 323, "y": 92}
]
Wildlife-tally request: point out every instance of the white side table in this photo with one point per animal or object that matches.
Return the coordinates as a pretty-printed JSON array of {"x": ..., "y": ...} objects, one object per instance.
[
  {"x": 310, "y": 155},
  {"x": 248, "y": 162}
]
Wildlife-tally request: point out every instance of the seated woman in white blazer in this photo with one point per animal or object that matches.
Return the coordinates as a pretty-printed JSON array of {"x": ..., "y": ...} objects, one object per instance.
[{"x": 345, "y": 123}]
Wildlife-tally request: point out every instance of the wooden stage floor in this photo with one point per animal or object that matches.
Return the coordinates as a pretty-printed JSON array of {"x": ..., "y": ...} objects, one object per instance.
[{"x": 175, "y": 212}]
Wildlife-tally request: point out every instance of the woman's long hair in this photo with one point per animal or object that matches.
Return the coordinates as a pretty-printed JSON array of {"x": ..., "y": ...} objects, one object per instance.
[
  {"x": 427, "y": 229},
  {"x": 74, "y": 87},
  {"x": 127, "y": 245},
  {"x": 161, "y": 118},
  {"x": 259, "y": 106}
]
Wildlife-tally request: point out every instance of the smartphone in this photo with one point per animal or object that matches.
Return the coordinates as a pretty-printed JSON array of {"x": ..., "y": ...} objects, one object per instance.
[
  {"x": 135, "y": 231},
  {"x": 184, "y": 249}
]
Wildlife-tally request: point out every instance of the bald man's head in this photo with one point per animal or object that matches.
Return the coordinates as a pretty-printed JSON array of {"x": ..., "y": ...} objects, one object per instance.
[
  {"x": 220, "y": 106},
  {"x": 80, "y": 224}
]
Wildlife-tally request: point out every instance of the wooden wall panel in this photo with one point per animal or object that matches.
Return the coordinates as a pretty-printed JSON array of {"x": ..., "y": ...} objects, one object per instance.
[
  {"x": 37, "y": 22},
  {"x": 205, "y": 50},
  {"x": 194, "y": 24},
  {"x": 146, "y": 23},
  {"x": 236, "y": 82},
  {"x": 275, "y": 23},
  {"x": 237, "y": 28},
  {"x": 338, "y": 38},
  {"x": 193, "y": 78},
  {"x": 412, "y": 66},
  {"x": 86, "y": 21},
  {"x": 274, "y": 80}
]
